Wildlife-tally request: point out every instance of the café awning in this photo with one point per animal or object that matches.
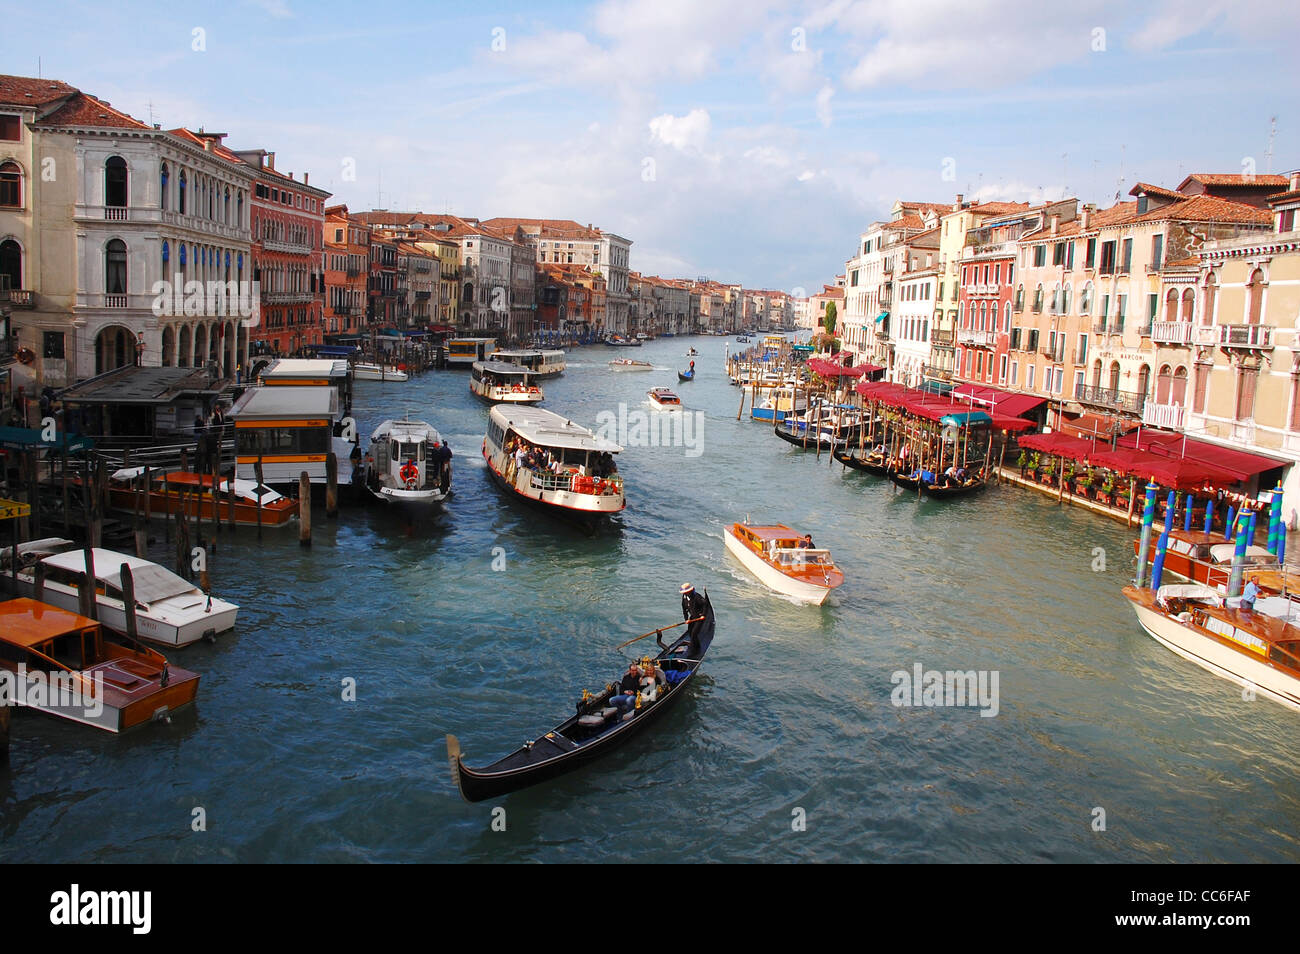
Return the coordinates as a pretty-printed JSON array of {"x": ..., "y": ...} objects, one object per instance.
[{"x": 1242, "y": 465}]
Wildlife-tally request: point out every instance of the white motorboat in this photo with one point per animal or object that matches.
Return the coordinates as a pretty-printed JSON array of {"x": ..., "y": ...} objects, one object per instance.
[
  {"x": 499, "y": 382},
  {"x": 406, "y": 465},
  {"x": 664, "y": 399},
  {"x": 1259, "y": 649},
  {"x": 627, "y": 364},
  {"x": 170, "y": 610},
  {"x": 780, "y": 559},
  {"x": 370, "y": 371}
]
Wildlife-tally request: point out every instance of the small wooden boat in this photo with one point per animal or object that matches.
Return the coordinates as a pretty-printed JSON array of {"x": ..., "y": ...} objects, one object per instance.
[
  {"x": 169, "y": 610},
  {"x": 686, "y": 375},
  {"x": 1206, "y": 558},
  {"x": 783, "y": 561},
  {"x": 595, "y": 729},
  {"x": 870, "y": 462},
  {"x": 943, "y": 490},
  {"x": 370, "y": 371},
  {"x": 908, "y": 481},
  {"x": 627, "y": 364},
  {"x": 184, "y": 492},
  {"x": 1259, "y": 649},
  {"x": 83, "y": 676},
  {"x": 664, "y": 399}
]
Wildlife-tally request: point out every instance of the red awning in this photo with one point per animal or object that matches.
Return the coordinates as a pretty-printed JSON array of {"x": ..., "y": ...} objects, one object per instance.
[
  {"x": 1063, "y": 445},
  {"x": 1242, "y": 465},
  {"x": 1004, "y": 402},
  {"x": 1096, "y": 425},
  {"x": 1178, "y": 473},
  {"x": 830, "y": 369}
]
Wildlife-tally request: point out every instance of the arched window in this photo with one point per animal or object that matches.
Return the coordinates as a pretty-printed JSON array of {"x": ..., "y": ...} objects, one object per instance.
[
  {"x": 163, "y": 176},
  {"x": 1164, "y": 383},
  {"x": 1006, "y": 319},
  {"x": 1189, "y": 304},
  {"x": 1114, "y": 375},
  {"x": 1020, "y": 298},
  {"x": 1056, "y": 299},
  {"x": 1211, "y": 293},
  {"x": 1065, "y": 300},
  {"x": 239, "y": 210},
  {"x": 11, "y": 262},
  {"x": 166, "y": 257},
  {"x": 11, "y": 185},
  {"x": 115, "y": 182},
  {"x": 1171, "y": 305},
  {"x": 115, "y": 268},
  {"x": 1254, "y": 296},
  {"x": 1096, "y": 373},
  {"x": 180, "y": 195},
  {"x": 1178, "y": 393},
  {"x": 1085, "y": 299},
  {"x": 225, "y": 209},
  {"x": 1038, "y": 298}
]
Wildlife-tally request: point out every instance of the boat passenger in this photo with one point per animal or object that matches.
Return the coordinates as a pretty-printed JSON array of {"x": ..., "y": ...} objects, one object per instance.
[
  {"x": 1248, "y": 597},
  {"x": 628, "y": 688},
  {"x": 652, "y": 678}
]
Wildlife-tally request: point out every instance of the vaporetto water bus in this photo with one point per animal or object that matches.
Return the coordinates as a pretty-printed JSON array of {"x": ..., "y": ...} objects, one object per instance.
[
  {"x": 463, "y": 352},
  {"x": 502, "y": 383},
  {"x": 547, "y": 460},
  {"x": 291, "y": 430},
  {"x": 542, "y": 363}
]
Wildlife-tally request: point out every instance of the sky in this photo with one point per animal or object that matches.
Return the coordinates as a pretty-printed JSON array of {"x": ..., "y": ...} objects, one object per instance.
[{"x": 748, "y": 141}]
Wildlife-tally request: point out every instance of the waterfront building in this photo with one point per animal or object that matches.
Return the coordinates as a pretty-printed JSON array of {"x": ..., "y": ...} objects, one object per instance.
[
  {"x": 288, "y": 226},
  {"x": 418, "y": 276},
  {"x": 347, "y": 271}
]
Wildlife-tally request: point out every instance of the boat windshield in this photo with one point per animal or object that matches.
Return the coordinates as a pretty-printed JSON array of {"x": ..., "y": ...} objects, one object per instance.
[{"x": 802, "y": 556}]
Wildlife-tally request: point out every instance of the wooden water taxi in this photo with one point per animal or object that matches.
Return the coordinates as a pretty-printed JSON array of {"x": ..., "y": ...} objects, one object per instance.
[
  {"x": 546, "y": 460},
  {"x": 597, "y": 726},
  {"x": 1206, "y": 558},
  {"x": 169, "y": 610},
  {"x": 627, "y": 364},
  {"x": 783, "y": 561},
  {"x": 182, "y": 492},
  {"x": 374, "y": 371},
  {"x": 664, "y": 399},
  {"x": 1259, "y": 649},
  {"x": 500, "y": 383},
  {"x": 81, "y": 675}
]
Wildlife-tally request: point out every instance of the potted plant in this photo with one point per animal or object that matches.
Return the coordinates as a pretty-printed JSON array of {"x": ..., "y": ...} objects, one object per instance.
[
  {"x": 1106, "y": 489},
  {"x": 1049, "y": 469},
  {"x": 1082, "y": 482},
  {"x": 1023, "y": 462},
  {"x": 1034, "y": 462}
]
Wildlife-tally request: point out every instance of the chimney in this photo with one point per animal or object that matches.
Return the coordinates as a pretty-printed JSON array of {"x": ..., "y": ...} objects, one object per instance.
[
  {"x": 956, "y": 206},
  {"x": 1056, "y": 222},
  {"x": 1088, "y": 209},
  {"x": 270, "y": 160},
  {"x": 306, "y": 178},
  {"x": 1295, "y": 181}
]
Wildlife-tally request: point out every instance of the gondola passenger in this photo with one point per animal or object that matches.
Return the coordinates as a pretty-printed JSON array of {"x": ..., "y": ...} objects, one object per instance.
[{"x": 628, "y": 687}]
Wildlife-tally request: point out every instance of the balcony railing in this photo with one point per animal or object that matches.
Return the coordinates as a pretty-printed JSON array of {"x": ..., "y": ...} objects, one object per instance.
[
  {"x": 1171, "y": 332},
  {"x": 17, "y": 297},
  {"x": 114, "y": 301},
  {"x": 290, "y": 248},
  {"x": 116, "y": 213},
  {"x": 287, "y": 298},
  {"x": 1170, "y": 416},
  {"x": 975, "y": 338},
  {"x": 941, "y": 339},
  {"x": 1246, "y": 336},
  {"x": 1130, "y": 401}
]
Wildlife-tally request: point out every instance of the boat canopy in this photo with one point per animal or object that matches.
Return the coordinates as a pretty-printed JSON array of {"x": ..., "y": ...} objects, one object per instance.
[
  {"x": 1224, "y": 553},
  {"x": 152, "y": 582},
  {"x": 1188, "y": 591},
  {"x": 408, "y": 431},
  {"x": 27, "y": 623},
  {"x": 502, "y": 368},
  {"x": 550, "y": 430},
  {"x": 286, "y": 402}
]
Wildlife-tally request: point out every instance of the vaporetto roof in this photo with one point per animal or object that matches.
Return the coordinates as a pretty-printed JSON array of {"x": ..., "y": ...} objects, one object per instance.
[{"x": 550, "y": 430}]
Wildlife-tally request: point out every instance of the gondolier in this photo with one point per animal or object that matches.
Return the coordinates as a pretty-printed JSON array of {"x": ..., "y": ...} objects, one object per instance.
[{"x": 692, "y": 602}]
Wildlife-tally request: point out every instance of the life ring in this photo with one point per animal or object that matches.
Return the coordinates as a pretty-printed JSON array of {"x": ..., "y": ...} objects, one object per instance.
[{"x": 409, "y": 472}]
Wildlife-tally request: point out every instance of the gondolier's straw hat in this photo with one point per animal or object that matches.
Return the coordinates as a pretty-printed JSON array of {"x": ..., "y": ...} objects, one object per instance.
[{"x": 687, "y": 588}]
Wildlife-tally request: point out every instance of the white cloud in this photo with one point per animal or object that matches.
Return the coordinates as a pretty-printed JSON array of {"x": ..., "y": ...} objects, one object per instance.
[
  {"x": 824, "y": 104},
  {"x": 685, "y": 132}
]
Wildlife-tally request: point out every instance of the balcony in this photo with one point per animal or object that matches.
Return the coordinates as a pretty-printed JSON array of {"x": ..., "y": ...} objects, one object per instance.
[
  {"x": 1115, "y": 400},
  {"x": 287, "y": 298},
  {"x": 1105, "y": 326},
  {"x": 1169, "y": 416},
  {"x": 116, "y": 213},
  {"x": 1206, "y": 335},
  {"x": 1171, "y": 332},
  {"x": 942, "y": 339},
  {"x": 114, "y": 301},
  {"x": 1248, "y": 337},
  {"x": 976, "y": 339},
  {"x": 289, "y": 248},
  {"x": 18, "y": 297}
]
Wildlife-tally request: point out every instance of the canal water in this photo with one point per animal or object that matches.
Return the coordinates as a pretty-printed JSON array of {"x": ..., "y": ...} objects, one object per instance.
[{"x": 1104, "y": 745}]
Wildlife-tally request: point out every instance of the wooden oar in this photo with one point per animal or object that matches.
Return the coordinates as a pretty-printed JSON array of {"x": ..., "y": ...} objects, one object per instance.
[{"x": 659, "y": 630}]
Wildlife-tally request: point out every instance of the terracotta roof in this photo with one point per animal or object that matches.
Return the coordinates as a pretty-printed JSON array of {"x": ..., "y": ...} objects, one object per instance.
[
  {"x": 1208, "y": 208},
  {"x": 1234, "y": 180},
  {"x": 1155, "y": 190},
  {"x": 998, "y": 208},
  {"x": 217, "y": 149},
  {"x": 83, "y": 110},
  {"x": 32, "y": 92},
  {"x": 906, "y": 222},
  {"x": 552, "y": 228},
  {"x": 923, "y": 207}
]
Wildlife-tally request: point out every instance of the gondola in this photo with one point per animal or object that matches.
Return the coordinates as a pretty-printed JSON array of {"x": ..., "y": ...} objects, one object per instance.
[
  {"x": 827, "y": 443},
  {"x": 944, "y": 491},
  {"x": 906, "y": 481},
  {"x": 870, "y": 466},
  {"x": 686, "y": 375},
  {"x": 596, "y": 727}
]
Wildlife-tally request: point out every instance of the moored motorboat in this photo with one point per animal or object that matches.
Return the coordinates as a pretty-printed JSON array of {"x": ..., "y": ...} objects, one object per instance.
[
  {"x": 184, "y": 492},
  {"x": 784, "y": 561},
  {"x": 544, "y": 459},
  {"x": 61, "y": 663},
  {"x": 169, "y": 610},
  {"x": 597, "y": 727},
  {"x": 617, "y": 341},
  {"x": 1206, "y": 558},
  {"x": 627, "y": 364},
  {"x": 664, "y": 399},
  {"x": 1259, "y": 649},
  {"x": 408, "y": 465},
  {"x": 375, "y": 371}
]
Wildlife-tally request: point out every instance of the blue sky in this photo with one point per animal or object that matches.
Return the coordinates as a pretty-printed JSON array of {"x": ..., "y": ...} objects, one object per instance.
[{"x": 745, "y": 140}]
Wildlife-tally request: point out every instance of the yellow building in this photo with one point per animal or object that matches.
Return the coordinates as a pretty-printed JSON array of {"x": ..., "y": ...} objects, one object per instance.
[{"x": 446, "y": 298}]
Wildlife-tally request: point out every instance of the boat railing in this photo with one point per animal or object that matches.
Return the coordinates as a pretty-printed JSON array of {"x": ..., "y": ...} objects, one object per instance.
[{"x": 576, "y": 483}]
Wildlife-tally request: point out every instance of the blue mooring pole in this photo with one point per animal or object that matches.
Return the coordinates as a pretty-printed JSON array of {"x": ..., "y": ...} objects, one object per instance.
[{"x": 1144, "y": 541}]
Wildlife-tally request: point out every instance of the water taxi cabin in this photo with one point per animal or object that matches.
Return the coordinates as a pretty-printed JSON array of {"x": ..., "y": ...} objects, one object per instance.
[{"x": 310, "y": 373}]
